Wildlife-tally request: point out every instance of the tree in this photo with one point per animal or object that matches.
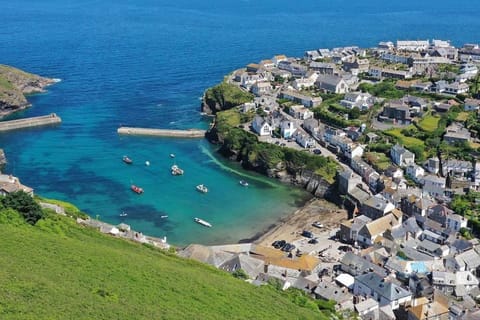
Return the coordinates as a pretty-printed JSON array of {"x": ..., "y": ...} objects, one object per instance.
[
  {"x": 25, "y": 205},
  {"x": 240, "y": 274},
  {"x": 354, "y": 113}
]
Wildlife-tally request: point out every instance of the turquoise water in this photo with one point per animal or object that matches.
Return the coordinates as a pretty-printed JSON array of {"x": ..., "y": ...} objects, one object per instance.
[{"x": 146, "y": 63}]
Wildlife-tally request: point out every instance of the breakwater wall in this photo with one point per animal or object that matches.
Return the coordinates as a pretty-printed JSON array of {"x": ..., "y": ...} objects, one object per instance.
[
  {"x": 190, "y": 133},
  {"x": 51, "y": 119}
]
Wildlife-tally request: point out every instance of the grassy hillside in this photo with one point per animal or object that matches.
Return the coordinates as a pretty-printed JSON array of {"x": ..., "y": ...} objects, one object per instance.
[{"x": 56, "y": 269}]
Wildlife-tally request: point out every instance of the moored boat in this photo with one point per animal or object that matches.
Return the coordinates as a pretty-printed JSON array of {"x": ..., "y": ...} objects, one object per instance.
[
  {"x": 243, "y": 183},
  {"x": 172, "y": 155},
  {"x": 202, "y": 188},
  {"x": 127, "y": 160},
  {"x": 202, "y": 222},
  {"x": 123, "y": 214},
  {"x": 176, "y": 171},
  {"x": 136, "y": 189}
]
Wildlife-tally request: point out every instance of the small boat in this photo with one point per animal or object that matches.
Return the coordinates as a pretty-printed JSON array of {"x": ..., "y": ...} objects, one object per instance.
[
  {"x": 243, "y": 183},
  {"x": 123, "y": 214},
  {"x": 202, "y": 188},
  {"x": 164, "y": 217},
  {"x": 127, "y": 160},
  {"x": 172, "y": 155},
  {"x": 202, "y": 222},
  {"x": 147, "y": 163},
  {"x": 136, "y": 189},
  {"x": 176, "y": 171}
]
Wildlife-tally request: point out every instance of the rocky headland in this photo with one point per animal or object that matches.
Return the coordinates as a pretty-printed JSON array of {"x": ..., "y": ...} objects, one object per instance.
[{"x": 15, "y": 84}]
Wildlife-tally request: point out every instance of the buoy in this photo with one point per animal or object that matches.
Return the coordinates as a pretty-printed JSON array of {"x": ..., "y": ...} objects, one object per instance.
[{"x": 147, "y": 163}]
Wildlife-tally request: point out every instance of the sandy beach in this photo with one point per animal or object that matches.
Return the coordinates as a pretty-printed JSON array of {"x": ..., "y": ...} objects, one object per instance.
[{"x": 290, "y": 228}]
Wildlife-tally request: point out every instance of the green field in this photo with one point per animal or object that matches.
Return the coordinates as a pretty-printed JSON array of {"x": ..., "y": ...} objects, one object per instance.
[
  {"x": 59, "y": 270},
  {"x": 406, "y": 141},
  {"x": 378, "y": 160},
  {"x": 429, "y": 123}
]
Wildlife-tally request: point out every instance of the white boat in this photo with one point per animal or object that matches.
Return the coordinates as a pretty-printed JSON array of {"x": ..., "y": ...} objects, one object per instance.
[
  {"x": 172, "y": 155},
  {"x": 164, "y": 217},
  {"x": 244, "y": 183},
  {"x": 147, "y": 163},
  {"x": 202, "y": 222},
  {"x": 202, "y": 188},
  {"x": 176, "y": 171},
  {"x": 123, "y": 214}
]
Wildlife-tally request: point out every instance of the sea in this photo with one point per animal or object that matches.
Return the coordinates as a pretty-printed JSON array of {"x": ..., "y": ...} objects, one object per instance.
[{"x": 146, "y": 63}]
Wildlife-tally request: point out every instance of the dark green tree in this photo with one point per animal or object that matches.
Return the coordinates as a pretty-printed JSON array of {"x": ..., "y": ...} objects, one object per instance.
[{"x": 25, "y": 205}]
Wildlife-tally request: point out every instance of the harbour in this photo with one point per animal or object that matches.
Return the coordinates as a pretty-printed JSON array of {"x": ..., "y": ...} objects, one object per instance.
[{"x": 190, "y": 133}]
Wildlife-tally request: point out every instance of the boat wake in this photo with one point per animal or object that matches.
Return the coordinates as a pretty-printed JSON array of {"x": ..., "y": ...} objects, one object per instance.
[{"x": 239, "y": 173}]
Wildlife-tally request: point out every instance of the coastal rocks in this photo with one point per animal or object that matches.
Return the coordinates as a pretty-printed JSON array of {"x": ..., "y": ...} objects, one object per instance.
[
  {"x": 14, "y": 84},
  {"x": 313, "y": 183}
]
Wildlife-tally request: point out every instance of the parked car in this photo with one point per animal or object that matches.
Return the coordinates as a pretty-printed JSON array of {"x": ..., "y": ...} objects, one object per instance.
[
  {"x": 288, "y": 247},
  {"x": 313, "y": 241},
  {"x": 279, "y": 244},
  {"x": 345, "y": 248},
  {"x": 307, "y": 234},
  {"x": 317, "y": 224},
  {"x": 317, "y": 151}
]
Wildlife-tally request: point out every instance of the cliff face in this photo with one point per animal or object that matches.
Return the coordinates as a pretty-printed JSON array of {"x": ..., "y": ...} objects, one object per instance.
[{"x": 14, "y": 84}]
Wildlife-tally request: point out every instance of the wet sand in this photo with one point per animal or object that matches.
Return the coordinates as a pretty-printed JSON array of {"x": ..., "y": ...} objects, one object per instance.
[{"x": 290, "y": 227}]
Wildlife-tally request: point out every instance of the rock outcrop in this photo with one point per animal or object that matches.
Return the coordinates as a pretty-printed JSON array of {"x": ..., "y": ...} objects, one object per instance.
[{"x": 15, "y": 84}]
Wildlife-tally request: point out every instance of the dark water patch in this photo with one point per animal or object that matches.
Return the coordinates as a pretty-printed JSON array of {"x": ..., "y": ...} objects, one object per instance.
[{"x": 148, "y": 213}]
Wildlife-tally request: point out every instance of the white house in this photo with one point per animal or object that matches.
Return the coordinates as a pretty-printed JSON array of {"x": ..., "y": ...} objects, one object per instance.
[
  {"x": 304, "y": 139},
  {"x": 361, "y": 100},
  {"x": 300, "y": 112},
  {"x": 278, "y": 58},
  {"x": 261, "y": 88},
  {"x": 456, "y": 222},
  {"x": 381, "y": 290},
  {"x": 401, "y": 156},
  {"x": 261, "y": 126},
  {"x": 415, "y": 172},
  {"x": 287, "y": 129},
  {"x": 433, "y": 185}
]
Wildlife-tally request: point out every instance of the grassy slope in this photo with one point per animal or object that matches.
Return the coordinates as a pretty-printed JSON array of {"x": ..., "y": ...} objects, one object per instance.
[
  {"x": 57, "y": 270},
  {"x": 429, "y": 123}
]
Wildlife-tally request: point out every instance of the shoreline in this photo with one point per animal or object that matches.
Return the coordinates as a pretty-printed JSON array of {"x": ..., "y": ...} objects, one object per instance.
[{"x": 290, "y": 227}]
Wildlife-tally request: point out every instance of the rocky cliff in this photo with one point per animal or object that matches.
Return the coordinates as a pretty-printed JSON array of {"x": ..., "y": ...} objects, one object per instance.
[
  {"x": 15, "y": 84},
  {"x": 224, "y": 96}
]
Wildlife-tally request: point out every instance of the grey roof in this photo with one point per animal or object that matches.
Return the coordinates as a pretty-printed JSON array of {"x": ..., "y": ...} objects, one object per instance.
[
  {"x": 469, "y": 258},
  {"x": 329, "y": 79},
  {"x": 359, "y": 222},
  {"x": 361, "y": 265},
  {"x": 461, "y": 245},
  {"x": 416, "y": 255},
  {"x": 411, "y": 225},
  {"x": 250, "y": 265},
  {"x": 386, "y": 289},
  {"x": 429, "y": 245}
]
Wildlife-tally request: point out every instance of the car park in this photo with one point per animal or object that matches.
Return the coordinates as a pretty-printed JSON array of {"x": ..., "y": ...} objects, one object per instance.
[{"x": 313, "y": 241}]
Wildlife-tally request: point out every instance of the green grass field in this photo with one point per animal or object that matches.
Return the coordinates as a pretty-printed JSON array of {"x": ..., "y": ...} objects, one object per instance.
[
  {"x": 378, "y": 160},
  {"x": 406, "y": 141},
  {"x": 59, "y": 270},
  {"x": 429, "y": 123}
]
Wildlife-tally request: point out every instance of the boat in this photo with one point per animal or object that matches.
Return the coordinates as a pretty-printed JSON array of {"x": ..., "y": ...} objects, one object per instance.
[
  {"x": 136, "y": 189},
  {"x": 147, "y": 163},
  {"x": 202, "y": 188},
  {"x": 123, "y": 214},
  {"x": 164, "y": 217},
  {"x": 202, "y": 222},
  {"x": 176, "y": 171},
  {"x": 172, "y": 155},
  {"x": 243, "y": 183},
  {"x": 127, "y": 160}
]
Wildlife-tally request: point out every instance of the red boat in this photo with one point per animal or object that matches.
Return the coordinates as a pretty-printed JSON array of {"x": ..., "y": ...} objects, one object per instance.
[
  {"x": 136, "y": 189},
  {"x": 127, "y": 160}
]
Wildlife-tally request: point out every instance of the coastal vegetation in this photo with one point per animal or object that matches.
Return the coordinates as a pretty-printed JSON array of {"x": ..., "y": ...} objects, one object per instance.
[
  {"x": 14, "y": 84},
  {"x": 225, "y": 96},
  {"x": 239, "y": 144},
  {"x": 57, "y": 269}
]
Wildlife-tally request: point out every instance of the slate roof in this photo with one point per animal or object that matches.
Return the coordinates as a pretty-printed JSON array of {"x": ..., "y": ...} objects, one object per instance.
[{"x": 386, "y": 289}]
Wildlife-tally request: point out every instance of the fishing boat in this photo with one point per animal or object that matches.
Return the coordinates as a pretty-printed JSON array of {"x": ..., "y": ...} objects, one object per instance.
[
  {"x": 202, "y": 222},
  {"x": 172, "y": 155},
  {"x": 136, "y": 189},
  {"x": 164, "y": 217},
  {"x": 123, "y": 214},
  {"x": 202, "y": 188},
  {"x": 127, "y": 160},
  {"x": 176, "y": 171},
  {"x": 243, "y": 183}
]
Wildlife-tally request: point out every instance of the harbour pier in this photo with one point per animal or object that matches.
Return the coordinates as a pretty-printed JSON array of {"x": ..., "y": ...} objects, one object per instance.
[
  {"x": 190, "y": 133},
  {"x": 50, "y": 119}
]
